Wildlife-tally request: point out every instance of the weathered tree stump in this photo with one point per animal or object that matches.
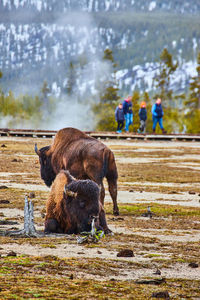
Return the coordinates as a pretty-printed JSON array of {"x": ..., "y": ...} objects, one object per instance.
[{"x": 29, "y": 227}]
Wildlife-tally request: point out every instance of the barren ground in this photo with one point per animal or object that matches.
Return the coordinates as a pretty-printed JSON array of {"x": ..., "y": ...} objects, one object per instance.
[{"x": 164, "y": 176}]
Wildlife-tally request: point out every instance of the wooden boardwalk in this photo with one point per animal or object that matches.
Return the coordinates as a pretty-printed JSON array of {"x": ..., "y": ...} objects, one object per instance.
[{"x": 100, "y": 135}]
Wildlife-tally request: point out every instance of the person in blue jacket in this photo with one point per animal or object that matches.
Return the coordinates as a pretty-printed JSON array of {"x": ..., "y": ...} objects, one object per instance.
[
  {"x": 119, "y": 117},
  {"x": 157, "y": 114},
  {"x": 128, "y": 112}
]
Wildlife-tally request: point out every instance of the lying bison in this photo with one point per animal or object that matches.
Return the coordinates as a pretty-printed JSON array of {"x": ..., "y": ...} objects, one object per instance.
[
  {"x": 72, "y": 204},
  {"x": 85, "y": 158}
]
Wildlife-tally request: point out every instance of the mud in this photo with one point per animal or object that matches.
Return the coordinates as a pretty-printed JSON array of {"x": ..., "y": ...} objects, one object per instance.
[{"x": 161, "y": 175}]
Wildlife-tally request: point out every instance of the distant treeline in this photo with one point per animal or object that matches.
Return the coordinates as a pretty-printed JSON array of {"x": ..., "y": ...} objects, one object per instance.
[{"x": 146, "y": 35}]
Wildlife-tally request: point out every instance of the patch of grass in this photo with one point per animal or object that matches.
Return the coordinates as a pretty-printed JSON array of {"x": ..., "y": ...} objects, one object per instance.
[
  {"x": 48, "y": 246},
  {"x": 151, "y": 255},
  {"x": 152, "y": 172},
  {"x": 28, "y": 283},
  {"x": 157, "y": 209}
]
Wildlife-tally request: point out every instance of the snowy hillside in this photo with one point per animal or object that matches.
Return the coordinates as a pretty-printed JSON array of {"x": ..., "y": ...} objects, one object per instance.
[
  {"x": 38, "y": 40},
  {"x": 180, "y": 6}
]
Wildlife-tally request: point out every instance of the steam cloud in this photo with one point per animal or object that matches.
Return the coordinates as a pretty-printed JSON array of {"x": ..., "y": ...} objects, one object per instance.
[{"x": 73, "y": 33}]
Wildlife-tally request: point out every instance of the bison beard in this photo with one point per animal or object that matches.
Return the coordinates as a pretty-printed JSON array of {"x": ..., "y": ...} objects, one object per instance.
[
  {"x": 85, "y": 158},
  {"x": 72, "y": 204}
]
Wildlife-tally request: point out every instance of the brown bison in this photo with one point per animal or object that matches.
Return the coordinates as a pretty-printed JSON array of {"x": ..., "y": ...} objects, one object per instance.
[
  {"x": 72, "y": 205},
  {"x": 84, "y": 157}
]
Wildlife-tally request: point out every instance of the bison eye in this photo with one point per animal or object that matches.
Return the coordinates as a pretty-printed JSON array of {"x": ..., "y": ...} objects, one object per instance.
[{"x": 82, "y": 204}]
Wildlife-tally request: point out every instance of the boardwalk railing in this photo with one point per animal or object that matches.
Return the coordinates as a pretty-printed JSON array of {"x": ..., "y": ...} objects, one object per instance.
[{"x": 100, "y": 135}]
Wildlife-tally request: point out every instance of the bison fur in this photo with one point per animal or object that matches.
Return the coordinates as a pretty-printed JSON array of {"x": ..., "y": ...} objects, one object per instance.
[
  {"x": 84, "y": 157},
  {"x": 72, "y": 205}
]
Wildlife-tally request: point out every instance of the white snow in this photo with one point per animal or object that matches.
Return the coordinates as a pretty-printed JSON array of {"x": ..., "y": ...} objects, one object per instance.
[{"x": 152, "y": 5}]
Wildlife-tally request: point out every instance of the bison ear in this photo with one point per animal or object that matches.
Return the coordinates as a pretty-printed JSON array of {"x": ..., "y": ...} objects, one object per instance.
[
  {"x": 69, "y": 193},
  {"x": 70, "y": 178},
  {"x": 37, "y": 151}
]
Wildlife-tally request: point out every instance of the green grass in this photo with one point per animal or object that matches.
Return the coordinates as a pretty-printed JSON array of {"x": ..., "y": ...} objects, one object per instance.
[{"x": 158, "y": 209}]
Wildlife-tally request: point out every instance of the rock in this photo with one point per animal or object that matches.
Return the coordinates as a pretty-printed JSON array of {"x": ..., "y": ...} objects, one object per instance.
[
  {"x": 116, "y": 219},
  {"x": 17, "y": 160},
  {"x": 125, "y": 253},
  {"x": 191, "y": 192},
  {"x": 3, "y": 187},
  {"x": 156, "y": 281},
  {"x": 173, "y": 192},
  {"x": 6, "y": 222},
  {"x": 148, "y": 213},
  {"x": 193, "y": 265},
  {"x": 12, "y": 253},
  {"x": 162, "y": 295},
  {"x": 4, "y": 201},
  {"x": 157, "y": 272},
  {"x": 131, "y": 191},
  {"x": 3, "y": 146}
]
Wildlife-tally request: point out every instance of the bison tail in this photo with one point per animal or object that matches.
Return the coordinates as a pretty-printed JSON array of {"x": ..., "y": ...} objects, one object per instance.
[
  {"x": 109, "y": 167},
  {"x": 112, "y": 176}
]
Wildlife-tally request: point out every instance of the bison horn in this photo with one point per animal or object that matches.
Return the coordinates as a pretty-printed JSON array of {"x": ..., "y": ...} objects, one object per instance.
[
  {"x": 69, "y": 192},
  {"x": 37, "y": 151},
  {"x": 70, "y": 178}
]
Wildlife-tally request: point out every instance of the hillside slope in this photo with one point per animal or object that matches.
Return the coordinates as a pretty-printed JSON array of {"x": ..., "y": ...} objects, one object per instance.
[{"x": 38, "y": 39}]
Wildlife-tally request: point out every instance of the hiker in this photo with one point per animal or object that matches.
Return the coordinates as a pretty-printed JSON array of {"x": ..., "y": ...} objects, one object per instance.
[
  {"x": 143, "y": 117},
  {"x": 119, "y": 117},
  {"x": 157, "y": 114},
  {"x": 128, "y": 112}
]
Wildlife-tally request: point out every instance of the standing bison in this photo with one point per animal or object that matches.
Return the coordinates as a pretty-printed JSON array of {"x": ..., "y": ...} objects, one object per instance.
[
  {"x": 72, "y": 205},
  {"x": 84, "y": 157}
]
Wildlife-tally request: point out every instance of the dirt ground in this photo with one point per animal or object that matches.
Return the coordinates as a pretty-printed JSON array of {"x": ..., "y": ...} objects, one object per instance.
[{"x": 163, "y": 177}]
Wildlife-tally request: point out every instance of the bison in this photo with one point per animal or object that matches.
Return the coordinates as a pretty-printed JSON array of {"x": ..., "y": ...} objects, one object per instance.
[
  {"x": 84, "y": 157},
  {"x": 72, "y": 205}
]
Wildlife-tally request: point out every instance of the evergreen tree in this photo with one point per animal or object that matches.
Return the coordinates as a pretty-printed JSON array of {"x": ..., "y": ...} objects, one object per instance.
[
  {"x": 105, "y": 110},
  {"x": 194, "y": 98},
  {"x": 162, "y": 83},
  {"x": 162, "y": 80},
  {"x": 193, "y": 102},
  {"x": 71, "y": 79},
  {"x": 1, "y": 94},
  {"x": 45, "y": 90},
  {"x": 110, "y": 86},
  {"x": 136, "y": 107}
]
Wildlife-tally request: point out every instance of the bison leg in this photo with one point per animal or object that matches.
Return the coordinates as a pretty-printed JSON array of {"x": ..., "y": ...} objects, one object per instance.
[
  {"x": 112, "y": 186},
  {"x": 102, "y": 220},
  {"x": 102, "y": 194},
  {"x": 52, "y": 226}
]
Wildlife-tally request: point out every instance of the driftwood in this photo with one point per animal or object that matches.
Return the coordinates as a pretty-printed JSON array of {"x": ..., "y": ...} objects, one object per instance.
[{"x": 29, "y": 227}]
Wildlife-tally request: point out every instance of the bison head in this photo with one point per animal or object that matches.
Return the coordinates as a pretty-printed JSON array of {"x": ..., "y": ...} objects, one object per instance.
[
  {"x": 46, "y": 169},
  {"x": 81, "y": 203}
]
